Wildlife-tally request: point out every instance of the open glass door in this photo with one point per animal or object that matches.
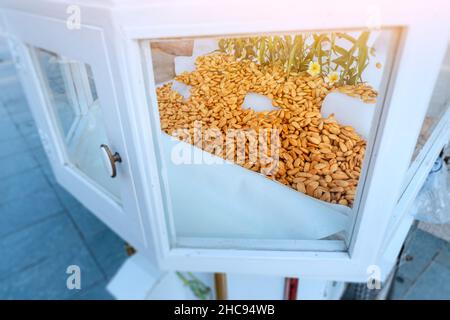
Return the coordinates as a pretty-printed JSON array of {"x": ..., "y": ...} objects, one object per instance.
[
  {"x": 78, "y": 117},
  {"x": 437, "y": 114},
  {"x": 72, "y": 94},
  {"x": 434, "y": 131}
]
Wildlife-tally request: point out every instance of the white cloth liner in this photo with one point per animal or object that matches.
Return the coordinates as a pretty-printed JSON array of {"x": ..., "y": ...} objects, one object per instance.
[
  {"x": 349, "y": 111},
  {"x": 258, "y": 102},
  {"x": 224, "y": 200}
]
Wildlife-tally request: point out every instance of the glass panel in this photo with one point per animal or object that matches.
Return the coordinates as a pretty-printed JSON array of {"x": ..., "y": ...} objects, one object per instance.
[
  {"x": 439, "y": 104},
  {"x": 78, "y": 114},
  {"x": 91, "y": 82},
  {"x": 60, "y": 88},
  {"x": 264, "y": 137}
]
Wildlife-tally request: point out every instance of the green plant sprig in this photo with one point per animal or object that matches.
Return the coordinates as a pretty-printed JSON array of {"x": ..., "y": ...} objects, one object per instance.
[
  {"x": 295, "y": 54},
  {"x": 198, "y": 288}
]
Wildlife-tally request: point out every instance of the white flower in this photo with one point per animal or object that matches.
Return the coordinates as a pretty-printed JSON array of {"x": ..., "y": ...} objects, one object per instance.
[
  {"x": 332, "y": 78},
  {"x": 313, "y": 68}
]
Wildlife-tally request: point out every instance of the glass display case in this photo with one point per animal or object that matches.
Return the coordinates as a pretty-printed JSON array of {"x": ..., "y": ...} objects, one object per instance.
[
  {"x": 223, "y": 140},
  {"x": 253, "y": 127}
]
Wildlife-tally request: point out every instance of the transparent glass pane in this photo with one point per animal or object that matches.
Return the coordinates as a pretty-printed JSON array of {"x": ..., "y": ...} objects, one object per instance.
[
  {"x": 78, "y": 114},
  {"x": 60, "y": 88},
  {"x": 91, "y": 82},
  {"x": 439, "y": 104},
  {"x": 264, "y": 137}
]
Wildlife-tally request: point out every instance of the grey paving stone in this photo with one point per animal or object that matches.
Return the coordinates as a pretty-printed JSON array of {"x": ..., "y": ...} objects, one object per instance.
[
  {"x": 33, "y": 140},
  {"x": 89, "y": 224},
  {"x": 65, "y": 197},
  {"x": 12, "y": 146},
  {"x": 46, "y": 167},
  {"x": 47, "y": 279},
  {"x": 17, "y": 163},
  {"x": 433, "y": 284},
  {"x": 18, "y": 214},
  {"x": 3, "y": 112},
  {"x": 16, "y": 104},
  {"x": 40, "y": 156},
  {"x": 109, "y": 250},
  {"x": 22, "y": 117},
  {"x": 444, "y": 257},
  {"x": 32, "y": 245},
  {"x": 96, "y": 292},
  {"x": 22, "y": 184},
  {"x": 423, "y": 247},
  {"x": 48, "y": 173},
  {"x": 11, "y": 92},
  {"x": 399, "y": 288},
  {"x": 8, "y": 130},
  {"x": 25, "y": 123}
]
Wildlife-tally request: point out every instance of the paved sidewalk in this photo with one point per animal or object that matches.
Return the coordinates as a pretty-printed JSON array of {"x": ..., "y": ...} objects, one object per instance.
[
  {"x": 424, "y": 268},
  {"x": 43, "y": 229}
]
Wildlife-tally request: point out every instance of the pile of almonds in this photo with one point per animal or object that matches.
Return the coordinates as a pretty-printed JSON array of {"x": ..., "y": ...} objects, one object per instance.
[{"x": 318, "y": 156}]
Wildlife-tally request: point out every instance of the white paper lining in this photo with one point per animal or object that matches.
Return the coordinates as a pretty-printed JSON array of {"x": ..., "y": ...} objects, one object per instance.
[{"x": 228, "y": 201}]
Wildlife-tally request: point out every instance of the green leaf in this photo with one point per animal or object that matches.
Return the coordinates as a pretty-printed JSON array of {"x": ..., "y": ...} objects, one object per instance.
[
  {"x": 341, "y": 61},
  {"x": 363, "y": 38},
  {"x": 288, "y": 42},
  {"x": 346, "y": 36},
  {"x": 250, "y": 51},
  {"x": 293, "y": 54},
  {"x": 262, "y": 50},
  {"x": 238, "y": 46},
  {"x": 363, "y": 52},
  {"x": 279, "y": 45},
  {"x": 341, "y": 51},
  {"x": 271, "y": 47},
  {"x": 362, "y": 58},
  {"x": 222, "y": 45}
]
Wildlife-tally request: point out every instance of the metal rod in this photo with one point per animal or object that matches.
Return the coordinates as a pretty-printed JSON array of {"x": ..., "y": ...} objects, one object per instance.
[
  {"x": 220, "y": 281},
  {"x": 290, "y": 288}
]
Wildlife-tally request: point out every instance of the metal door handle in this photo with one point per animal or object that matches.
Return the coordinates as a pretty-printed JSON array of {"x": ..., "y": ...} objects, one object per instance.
[{"x": 110, "y": 159}]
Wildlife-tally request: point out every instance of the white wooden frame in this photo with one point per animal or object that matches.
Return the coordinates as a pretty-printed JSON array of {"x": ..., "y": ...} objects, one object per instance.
[{"x": 126, "y": 23}]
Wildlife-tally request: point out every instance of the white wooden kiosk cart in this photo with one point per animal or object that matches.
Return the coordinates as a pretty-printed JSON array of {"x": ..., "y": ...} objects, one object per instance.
[{"x": 94, "y": 72}]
